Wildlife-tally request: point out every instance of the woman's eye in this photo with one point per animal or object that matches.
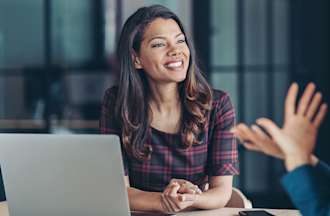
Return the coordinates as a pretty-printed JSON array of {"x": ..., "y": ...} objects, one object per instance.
[
  {"x": 181, "y": 41},
  {"x": 157, "y": 45}
]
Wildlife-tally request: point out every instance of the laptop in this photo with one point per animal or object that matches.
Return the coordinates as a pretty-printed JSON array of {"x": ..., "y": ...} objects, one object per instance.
[{"x": 67, "y": 175}]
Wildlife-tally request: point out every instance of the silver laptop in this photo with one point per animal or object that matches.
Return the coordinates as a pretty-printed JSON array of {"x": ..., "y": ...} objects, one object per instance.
[{"x": 63, "y": 175}]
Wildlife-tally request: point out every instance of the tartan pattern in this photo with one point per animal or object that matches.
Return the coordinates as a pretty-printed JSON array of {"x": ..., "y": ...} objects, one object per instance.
[{"x": 216, "y": 156}]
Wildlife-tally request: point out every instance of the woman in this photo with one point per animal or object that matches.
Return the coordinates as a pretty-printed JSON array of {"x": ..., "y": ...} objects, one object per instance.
[{"x": 175, "y": 130}]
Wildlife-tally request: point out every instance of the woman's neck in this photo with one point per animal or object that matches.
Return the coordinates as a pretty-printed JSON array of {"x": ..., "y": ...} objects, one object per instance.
[
  {"x": 165, "y": 98},
  {"x": 165, "y": 108}
]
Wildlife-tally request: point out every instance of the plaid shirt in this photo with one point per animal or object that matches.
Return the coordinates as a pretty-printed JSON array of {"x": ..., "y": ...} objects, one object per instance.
[{"x": 216, "y": 156}]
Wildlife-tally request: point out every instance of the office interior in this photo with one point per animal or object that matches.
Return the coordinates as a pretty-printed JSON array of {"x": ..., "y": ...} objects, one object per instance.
[{"x": 57, "y": 57}]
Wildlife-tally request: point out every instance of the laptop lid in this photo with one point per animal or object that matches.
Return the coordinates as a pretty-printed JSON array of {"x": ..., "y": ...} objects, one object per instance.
[{"x": 73, "y": 175}]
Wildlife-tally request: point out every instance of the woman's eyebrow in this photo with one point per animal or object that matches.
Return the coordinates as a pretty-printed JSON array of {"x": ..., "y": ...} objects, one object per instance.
[
  {"x": 179, "y": 34},
  {"x": 157, "y": 37},
  {"x": 163, "y": 38}
]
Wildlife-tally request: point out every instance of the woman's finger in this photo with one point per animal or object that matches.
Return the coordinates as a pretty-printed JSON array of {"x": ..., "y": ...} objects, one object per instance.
[
  {"x": 166, "y": 204},
  {"x": 170, "y": 195},
  {"x": 190, "y": 189}
]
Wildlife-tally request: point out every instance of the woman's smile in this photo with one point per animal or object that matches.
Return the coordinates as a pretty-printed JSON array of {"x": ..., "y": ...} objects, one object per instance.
[{"x": 174, "y": 64}]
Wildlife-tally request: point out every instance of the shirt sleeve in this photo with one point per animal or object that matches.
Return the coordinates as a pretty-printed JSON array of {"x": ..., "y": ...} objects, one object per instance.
[
  {"x": 108, "y": 123},
  {"x": 223, "y": 155},
  {"x": 308, "y": 189}
]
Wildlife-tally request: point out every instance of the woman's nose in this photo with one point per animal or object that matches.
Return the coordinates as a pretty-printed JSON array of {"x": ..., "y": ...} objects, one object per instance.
[{"x": 174, "y": 51}]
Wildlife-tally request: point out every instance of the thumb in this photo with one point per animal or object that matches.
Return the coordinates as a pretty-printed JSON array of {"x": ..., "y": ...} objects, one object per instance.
[
  {"x": 174, "y": 188},
  {"x": 270, "y": 127}
]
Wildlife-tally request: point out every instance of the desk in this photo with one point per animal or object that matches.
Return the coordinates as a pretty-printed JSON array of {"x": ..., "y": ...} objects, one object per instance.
[{"x": 216, "y": 212}]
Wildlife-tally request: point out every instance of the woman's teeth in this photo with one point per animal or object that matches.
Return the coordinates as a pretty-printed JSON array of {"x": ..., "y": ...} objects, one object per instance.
[{"x": 174, "y": 64}]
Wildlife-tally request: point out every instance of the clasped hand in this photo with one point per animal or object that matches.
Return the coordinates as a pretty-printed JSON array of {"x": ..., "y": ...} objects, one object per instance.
[{"x": 178, "y": 195}]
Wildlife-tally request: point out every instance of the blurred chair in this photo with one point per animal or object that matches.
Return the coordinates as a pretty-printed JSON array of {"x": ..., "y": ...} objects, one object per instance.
[{"x": 238, "y": 200}]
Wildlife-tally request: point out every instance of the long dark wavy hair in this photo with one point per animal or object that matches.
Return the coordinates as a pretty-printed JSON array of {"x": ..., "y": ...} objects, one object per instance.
[{"x": 132, "y": 105}]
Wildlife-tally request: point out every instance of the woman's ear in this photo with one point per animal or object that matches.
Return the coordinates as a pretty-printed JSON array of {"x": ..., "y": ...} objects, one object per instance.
[{"x": 137, "y": 62}]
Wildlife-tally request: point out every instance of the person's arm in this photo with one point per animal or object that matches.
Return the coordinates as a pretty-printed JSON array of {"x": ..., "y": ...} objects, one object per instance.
[
  {"x": 312, "y": 194},
  {"x": 138, "y": 200},
  {"x": 307, "y": 179},
  {"x": 143, "y": 201},
  {"x": 222, "y": 156},
  {"x": 217, "y": 196}
]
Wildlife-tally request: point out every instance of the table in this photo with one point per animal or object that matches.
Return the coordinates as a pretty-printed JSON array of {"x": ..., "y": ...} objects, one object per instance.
[
  {"x": 216, "y": 212},
  {"x": 234, "y": 212}
]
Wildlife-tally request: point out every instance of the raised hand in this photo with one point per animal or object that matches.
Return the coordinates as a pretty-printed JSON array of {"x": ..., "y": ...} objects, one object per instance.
[{"x": 297, "y": 137}]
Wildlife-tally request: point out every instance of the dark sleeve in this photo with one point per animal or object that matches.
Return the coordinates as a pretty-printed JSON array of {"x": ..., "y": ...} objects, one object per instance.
[
  {"x": 308, "y": 188},
  {"x": 223, "y": 155},
  {"x": 108, "y": 123}
]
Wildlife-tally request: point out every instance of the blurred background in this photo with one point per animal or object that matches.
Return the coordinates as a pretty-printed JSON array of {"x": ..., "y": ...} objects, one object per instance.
[{"x": 57, "y": 58}]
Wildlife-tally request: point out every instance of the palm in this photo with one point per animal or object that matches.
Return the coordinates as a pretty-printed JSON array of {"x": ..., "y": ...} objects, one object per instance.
[{"x": 298, "y": 133}]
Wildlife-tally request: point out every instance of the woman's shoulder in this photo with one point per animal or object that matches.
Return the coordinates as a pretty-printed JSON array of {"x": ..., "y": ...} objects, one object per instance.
[
  {"x": 219, "y": 96},
  {"x": 221, "y": 100}
]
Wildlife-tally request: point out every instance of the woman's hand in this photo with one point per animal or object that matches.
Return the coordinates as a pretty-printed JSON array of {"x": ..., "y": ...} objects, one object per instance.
[
  {"x": 187, "y": 187},
  {"x": 178, "y": 195}
]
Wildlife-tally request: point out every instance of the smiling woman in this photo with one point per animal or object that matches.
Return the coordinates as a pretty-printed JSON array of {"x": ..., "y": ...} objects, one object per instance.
[{"x": 175, "y": 130}]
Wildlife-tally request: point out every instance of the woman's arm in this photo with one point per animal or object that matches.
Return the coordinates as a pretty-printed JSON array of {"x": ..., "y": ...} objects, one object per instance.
[
  {"x": 141, "y": 200},
  {"x": 218, "y": 195}
]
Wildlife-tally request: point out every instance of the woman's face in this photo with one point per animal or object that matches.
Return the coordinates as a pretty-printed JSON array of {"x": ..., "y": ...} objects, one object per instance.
[{"x": 164, "y": 54}]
